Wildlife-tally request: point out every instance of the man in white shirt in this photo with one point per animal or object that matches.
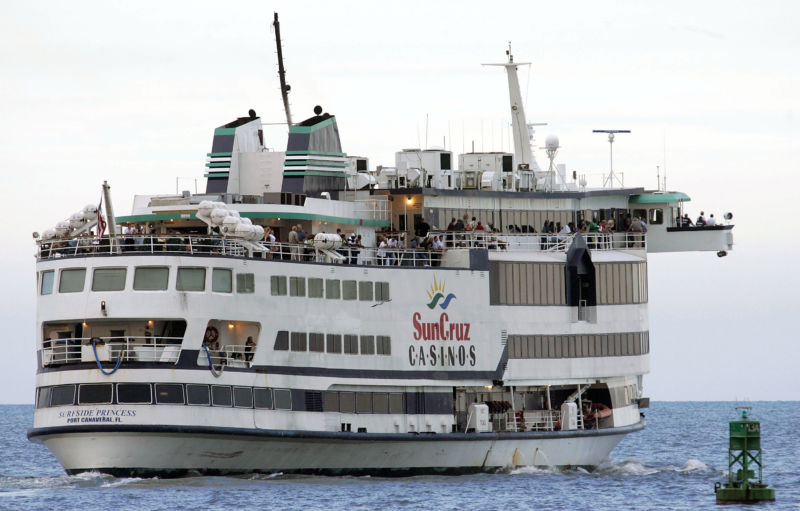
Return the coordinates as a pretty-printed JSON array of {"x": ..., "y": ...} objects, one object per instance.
[{"x": 711, "y": 220}]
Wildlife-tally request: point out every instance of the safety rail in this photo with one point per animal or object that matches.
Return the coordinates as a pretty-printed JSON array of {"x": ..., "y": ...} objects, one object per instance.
[
  {"x": 540, "y": 242},
  {"x": 222, "y": 246},
  {"x": 230, "y": 355},
  {"x": 110, "y": 349},
  {"x": 533, "y": 420}
]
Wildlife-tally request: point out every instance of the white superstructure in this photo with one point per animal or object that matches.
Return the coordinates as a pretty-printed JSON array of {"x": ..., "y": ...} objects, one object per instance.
[{"x": 410, "y": 319}]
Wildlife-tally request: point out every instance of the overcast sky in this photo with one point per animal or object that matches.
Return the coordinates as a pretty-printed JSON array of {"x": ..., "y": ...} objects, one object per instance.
[{"x": 130, "y": 92}]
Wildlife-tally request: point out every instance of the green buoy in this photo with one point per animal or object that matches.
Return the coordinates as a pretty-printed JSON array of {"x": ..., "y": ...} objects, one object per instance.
[{"x": 744, "y": 454}]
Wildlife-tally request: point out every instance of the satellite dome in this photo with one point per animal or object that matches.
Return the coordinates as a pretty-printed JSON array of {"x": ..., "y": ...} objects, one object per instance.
[{"x": 551, "y": 142}]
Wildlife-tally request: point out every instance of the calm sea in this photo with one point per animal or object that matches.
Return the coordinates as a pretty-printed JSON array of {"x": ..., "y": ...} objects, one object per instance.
[{"x": 673, "y": 464}]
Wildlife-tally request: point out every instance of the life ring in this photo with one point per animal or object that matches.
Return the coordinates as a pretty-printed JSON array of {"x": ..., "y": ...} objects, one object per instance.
[
  {"x": 211, "y": 335},
  {"x": 599, "y": 411}
]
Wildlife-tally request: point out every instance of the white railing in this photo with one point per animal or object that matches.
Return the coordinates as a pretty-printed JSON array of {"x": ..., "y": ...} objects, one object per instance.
[
  {"x": 540, "y": 242},
  {"x": 533, "y": 420},
  {"x": 111, "y": 349},
  {"x": 230, "y": 355},
  {"x": 213, "y": 246}
]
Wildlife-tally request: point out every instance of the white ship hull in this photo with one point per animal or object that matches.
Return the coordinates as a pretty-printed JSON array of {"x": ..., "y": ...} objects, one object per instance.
[{"x": 173, "y": 451}]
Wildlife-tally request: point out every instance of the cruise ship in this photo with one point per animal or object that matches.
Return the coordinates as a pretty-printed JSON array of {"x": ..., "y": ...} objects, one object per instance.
[{"x": 310, "y": 313}]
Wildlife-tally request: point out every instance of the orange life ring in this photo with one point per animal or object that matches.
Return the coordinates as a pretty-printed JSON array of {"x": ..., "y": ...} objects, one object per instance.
[{"x": 599, "y": 411}]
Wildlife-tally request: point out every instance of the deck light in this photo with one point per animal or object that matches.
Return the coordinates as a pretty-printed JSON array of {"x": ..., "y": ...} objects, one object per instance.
[
  {"x": 103, "y": 308},
  {"x": 149, "y": 322},
  {"x": 230, "y": 326}
]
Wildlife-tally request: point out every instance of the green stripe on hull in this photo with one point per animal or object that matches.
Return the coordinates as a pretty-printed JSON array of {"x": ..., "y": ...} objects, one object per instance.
[
  {"x": 313, "y": 153},
  {"x": 310, "y": 129},
  {"x": 216, "y": 174},
  {"x": 313, "y": 173},
  {"x": 224, "y": 131},
  {"x": 219, "y": 164},
  {"x": 319, "y": 163},
  {"x": 218, "y": 155}
]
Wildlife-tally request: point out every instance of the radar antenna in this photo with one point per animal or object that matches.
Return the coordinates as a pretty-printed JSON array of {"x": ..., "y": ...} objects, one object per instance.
[
  {"x": 611, "y": 176},
  {"x": 285, "y": 88}
]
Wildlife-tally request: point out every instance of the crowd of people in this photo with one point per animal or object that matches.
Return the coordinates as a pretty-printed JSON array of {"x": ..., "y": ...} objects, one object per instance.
[{"x": 701, "y": 221}]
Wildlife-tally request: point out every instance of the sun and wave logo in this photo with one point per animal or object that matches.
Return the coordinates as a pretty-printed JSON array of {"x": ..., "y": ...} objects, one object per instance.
[{"x": 437, "y": 294}]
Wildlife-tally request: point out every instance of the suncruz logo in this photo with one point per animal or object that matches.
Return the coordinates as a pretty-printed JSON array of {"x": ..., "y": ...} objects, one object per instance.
[
  {"x": 444, "y": 354},
  {"x": 436, "y": 294}
]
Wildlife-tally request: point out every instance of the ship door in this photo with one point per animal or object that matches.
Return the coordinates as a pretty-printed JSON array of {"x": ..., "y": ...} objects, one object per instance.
[{"x": 580, "y": 279}]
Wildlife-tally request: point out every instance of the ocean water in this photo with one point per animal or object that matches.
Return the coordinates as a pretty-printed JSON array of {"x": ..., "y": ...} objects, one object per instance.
[{"x": 672, "y": 464}]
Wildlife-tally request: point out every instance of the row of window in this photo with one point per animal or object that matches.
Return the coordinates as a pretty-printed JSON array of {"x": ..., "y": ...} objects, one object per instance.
[
  {"x": 156, "y": 278},
  {"x": 146, "y": 278},
  {"x": 333, "y": 343},
  {"x": 164, "y": 394},
  {"x": 330, "y": 288},
  {"x": 578, "y": 346},
  {"x": 245, "y": 397}
]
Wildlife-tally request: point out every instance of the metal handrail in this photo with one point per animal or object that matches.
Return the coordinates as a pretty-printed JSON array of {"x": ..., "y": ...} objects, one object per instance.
[
  {"x": 129, "y": 349},
  {"x": 216, "y": 245},
  {"x": 540, "y": 242}
]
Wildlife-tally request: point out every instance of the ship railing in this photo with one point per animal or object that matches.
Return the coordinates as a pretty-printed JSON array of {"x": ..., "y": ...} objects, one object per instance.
[
  {"x": 540, "y": 242},
  {"x": 222, "y": 246},
  {"x": 110, "y": 349},
  {"x": 231, "y": 355},
  {"x": 532, "y": 420}
]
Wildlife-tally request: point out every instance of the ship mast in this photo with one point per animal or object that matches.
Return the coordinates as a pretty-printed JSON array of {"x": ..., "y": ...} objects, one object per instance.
[
  {"x": 285, "y": 88},
  {"x": 522, "y": 131}
]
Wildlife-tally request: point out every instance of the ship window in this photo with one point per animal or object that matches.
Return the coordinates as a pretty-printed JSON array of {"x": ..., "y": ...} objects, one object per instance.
[
  {"x": 382, "y": 292},
  {"x": 169, "y": 393},
  {"x": 243, "y": 397},
  {"x": 347, "y": 403},
  {"x": 109, "y": 279},
  {"x": 444, "y": 161},
  {"x": 62, "y": 395},
  {"x": 380, "y": 402},
  {"x": 134, "y": 393},
  {"x": 330, "y": 402},
  {"x": 367, "y": 345},
  {"x": 334, "y": 343},
  {"x": 363, "y": 402},
  {"x": 299, "y": 341},
  {"x": 197, "y": 395},
  {"x": 95, "y": 394},
  {"x": 221, "y": 395},
  {"x": 351, "y": 344},
  {"x": 297, "y": 286},
  {"x": 396, "y": 403},
  {"x": 72, "y": 280},
  {"x": 313, "y": 400},
  {"x": 349, "y": 289},
  {"x": 656, "y": 216},
  {"x": 316, "y": 342},
  {"x": 384, "y": 346},
  {"x": 278, "y": 285},
  {"x": 222, "y": 280},
  {"x": 150, "y": 278},
  {"x": 283, "y": 399},
  {"x": 47, "y": 282},
  {"x": 365, "y": 291},
  {"x": 332, "y": 289},
  {"x": 43, "y": 397},
  {"x": 191, "y": 279},
  {"x": 281, "y": 341},
  {"x": 263, "y": 398},
  {"x": 314, "y": 288},
  {"x": 245, "y": 283}
]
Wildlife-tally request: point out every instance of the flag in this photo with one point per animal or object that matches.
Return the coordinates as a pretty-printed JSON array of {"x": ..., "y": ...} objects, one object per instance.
[{"x": 101, "y": 222}]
